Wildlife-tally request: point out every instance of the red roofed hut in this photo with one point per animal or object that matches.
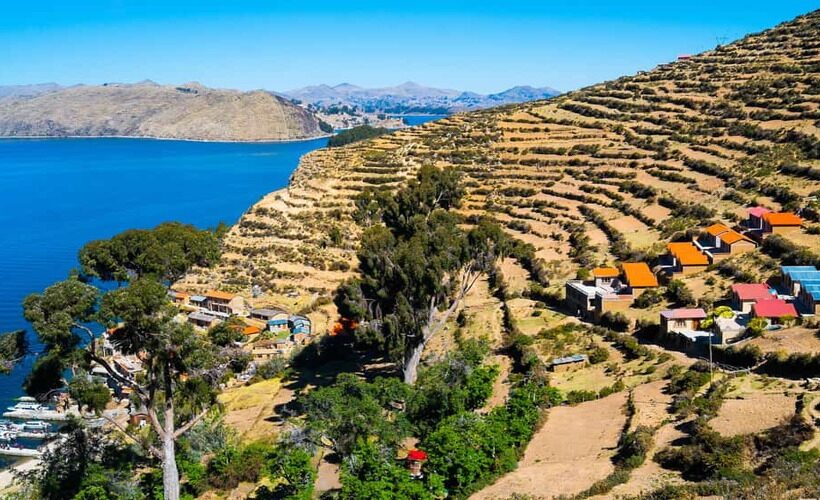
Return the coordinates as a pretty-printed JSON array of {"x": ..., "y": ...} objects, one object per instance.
[
  {"x": 744, "y": 295},
  {"x": 415, "y": 459},
  {"x": 774, "y": 310}
]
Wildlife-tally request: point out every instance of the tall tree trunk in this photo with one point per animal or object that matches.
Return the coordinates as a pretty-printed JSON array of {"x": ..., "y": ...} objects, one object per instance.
[
  {"x": 411, "y": 363},
  {"x": 170, "y": 474}
]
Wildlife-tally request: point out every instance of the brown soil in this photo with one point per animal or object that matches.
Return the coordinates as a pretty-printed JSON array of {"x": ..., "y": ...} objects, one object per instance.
[{"x": 570, "y": 452}]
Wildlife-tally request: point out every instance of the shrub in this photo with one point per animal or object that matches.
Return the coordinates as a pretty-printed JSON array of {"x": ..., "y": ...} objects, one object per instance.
[
  {"x": 598, "y": 354},
  {"x": 616, "y": 321}
]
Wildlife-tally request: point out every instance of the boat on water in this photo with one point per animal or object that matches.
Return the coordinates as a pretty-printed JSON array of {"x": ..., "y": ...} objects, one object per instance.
[
  {"x": 28, "y": 406},
  {"x": 36, "y": 426}
]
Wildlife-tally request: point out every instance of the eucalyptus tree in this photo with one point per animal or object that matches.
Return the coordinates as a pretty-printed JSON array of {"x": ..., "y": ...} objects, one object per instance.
[
  {"x": 181, "y": 369},
  {"x": 416, "y": 263},
  {"x": 13, "y": 347}
]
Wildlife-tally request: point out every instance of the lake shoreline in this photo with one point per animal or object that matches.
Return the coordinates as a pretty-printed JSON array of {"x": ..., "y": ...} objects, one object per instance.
[{"x": 154, "y": 138}]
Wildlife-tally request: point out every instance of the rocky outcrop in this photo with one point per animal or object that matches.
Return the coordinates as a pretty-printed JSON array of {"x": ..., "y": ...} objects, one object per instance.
[{"x": 189, "y": 111}]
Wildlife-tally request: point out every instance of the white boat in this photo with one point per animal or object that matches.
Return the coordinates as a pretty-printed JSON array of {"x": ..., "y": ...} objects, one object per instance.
[
  {"x": 36, "y": 426},
  {"x": 27, "y": 406}
]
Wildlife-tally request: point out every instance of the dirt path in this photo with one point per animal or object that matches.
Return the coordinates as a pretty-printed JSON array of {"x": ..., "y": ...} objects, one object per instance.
[
  {"x": 327, "y": 476},
  {"x": 570, "y": 452},
  {"x": 651, "y": 404},
  {"x": 501, "y": 386}
]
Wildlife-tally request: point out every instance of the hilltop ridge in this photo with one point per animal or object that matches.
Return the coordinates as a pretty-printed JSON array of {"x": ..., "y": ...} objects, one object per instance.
[{"x": 147, "y": 109}]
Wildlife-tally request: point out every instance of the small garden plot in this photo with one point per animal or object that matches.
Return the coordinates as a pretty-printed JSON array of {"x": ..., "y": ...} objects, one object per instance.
[
  {"x": 531, "y": 319},
  {"x": 656, "y": 212},
  {"x": 637, "y": 234}
]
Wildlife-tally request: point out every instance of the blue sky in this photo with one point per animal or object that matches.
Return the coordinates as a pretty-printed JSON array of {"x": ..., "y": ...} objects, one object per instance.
[{"x": 475, "y": 45}]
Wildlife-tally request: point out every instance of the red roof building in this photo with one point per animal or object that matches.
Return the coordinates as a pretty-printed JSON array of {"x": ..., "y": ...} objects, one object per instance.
[
  {"x": 744, "y": 295},
  {"x": 417, "y": 455},
  {"x": 774, "y": 309}
]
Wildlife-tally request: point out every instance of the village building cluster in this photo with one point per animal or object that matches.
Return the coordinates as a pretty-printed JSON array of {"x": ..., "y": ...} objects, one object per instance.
[
  {"x": 269, "y": 333},
  {"x": 795, "y": 293}
]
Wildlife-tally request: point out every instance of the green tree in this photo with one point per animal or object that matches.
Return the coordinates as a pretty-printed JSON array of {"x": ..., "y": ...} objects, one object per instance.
[
  {"x": 373, "y": 472},
  {"x": 353, "y": 409},
  {"x": 91, "y": 393},
  {"x": 416, "y": 267},
  {"x": 182, "y": 370},
  {"x": 13, "y": 346}
]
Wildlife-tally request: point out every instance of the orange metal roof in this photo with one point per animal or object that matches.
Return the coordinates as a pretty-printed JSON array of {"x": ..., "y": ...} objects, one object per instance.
[
  {"x": 717, "y": 229},
  {"x": 605, "y": 272},
  {"x": 687, "y": 254},
  {"x": 782, "y": 219},
  {"x": 216, "y": 294},
  {"x": 251, "y": 330},
  {"x": 639, "y": 275},
  {"x": 732, "y": 237}
]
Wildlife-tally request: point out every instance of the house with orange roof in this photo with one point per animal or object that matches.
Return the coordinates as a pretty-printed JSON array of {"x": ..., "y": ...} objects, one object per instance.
[
  {"x": 225, "y": 303},
  {"x": 686, "y": 258},
  {"x": 638, "y": 277},
  {"x": 605, "y": 275},
  {"x": 605, "y": 292},
  {"x": 180, "y": 298},
  {"x": 719, "y": 241},
  {"x": 781, "y": 222}
]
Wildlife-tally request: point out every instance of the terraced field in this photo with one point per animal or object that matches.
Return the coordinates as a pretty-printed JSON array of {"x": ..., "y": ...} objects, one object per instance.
[{"x": 606, "y": 173}]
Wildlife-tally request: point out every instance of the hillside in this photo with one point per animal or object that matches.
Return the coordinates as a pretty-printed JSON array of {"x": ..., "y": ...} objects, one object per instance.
[
  {"x": 189, "y": 111},
  {"x": 712, "y": 130},
  {"x": 607, "y": 174}
]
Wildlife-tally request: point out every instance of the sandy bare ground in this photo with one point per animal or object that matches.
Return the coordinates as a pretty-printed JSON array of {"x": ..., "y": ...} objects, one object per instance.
[
  {"x": 327, "y": 476},
  {"x": 570, "y": 452},
  {"x": 7, "y": 476},
  {"x": 753, "y": 413}
]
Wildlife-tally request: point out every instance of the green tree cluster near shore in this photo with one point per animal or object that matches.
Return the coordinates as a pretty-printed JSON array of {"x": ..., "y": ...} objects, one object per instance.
[
  {"x": 182, "y": 369},
  {"x": 355, "y": 134}
]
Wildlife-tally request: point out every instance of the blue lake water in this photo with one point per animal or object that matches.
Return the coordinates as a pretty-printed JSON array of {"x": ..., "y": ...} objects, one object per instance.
[
  {"x": 57, "y": 194},
  {"x": 412, "y": 120}
]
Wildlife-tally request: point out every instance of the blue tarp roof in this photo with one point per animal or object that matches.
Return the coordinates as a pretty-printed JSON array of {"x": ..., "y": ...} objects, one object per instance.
[
  {"x": 575, "y": 358},
  {"x": 813, "y": 290},
  {"x": 802, "y": 276},
  {"x": 796, "y": 269}
]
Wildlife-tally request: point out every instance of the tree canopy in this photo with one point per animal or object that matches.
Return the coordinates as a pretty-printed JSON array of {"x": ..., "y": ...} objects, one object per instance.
[
  {"x": 182, "y": 369},
  {"x": 416, "y": 264},
  {"x": 166, "y": 252}
]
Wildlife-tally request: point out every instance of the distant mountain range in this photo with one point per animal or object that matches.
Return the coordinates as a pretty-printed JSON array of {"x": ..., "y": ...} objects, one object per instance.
[
  {"x": 147, "y": 109},
  {"x": 411, "y": 97}
]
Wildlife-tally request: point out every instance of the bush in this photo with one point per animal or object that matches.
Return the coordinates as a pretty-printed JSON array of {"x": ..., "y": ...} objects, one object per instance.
[
  {"x": 598, "y": 354},
  {"x": 272, "y": 368},
  {"x": 615, "y": 321},
  {"x": 648, "y": 299}
]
